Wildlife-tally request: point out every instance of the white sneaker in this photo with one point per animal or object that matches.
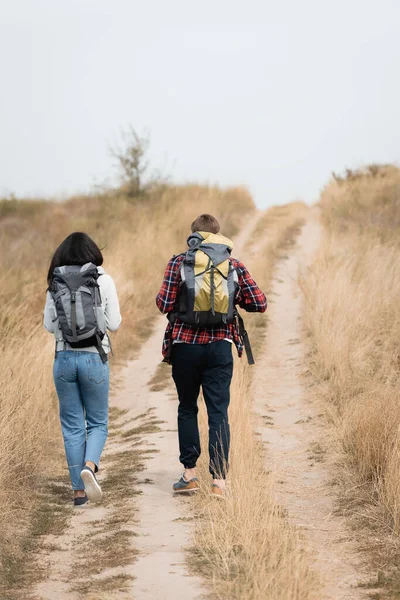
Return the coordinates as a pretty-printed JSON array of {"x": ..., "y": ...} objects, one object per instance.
[{"x": 92, "y": 488}]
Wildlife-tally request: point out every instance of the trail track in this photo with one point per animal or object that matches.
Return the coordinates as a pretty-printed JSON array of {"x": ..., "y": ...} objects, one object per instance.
[
  {"x": 161, "y": 527},
  {"x": 292, "y": 429}
]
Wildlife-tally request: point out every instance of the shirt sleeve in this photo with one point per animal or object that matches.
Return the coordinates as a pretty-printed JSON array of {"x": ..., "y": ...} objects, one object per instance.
[
  {"x": 249, "y": 296},
  {"x": 110, "y": 302},
  {"x": 50, "y": 315},
  {"x": 168, "y": 294}
]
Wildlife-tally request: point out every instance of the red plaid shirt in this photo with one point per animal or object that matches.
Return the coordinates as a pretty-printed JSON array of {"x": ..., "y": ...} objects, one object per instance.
[{"x": 248, "y": 296}]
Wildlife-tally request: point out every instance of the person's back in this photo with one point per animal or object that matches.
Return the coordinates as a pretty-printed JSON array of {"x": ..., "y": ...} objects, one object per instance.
[
  {"x": 201, "y": 354},
  {"x": 81, "y": 304}
]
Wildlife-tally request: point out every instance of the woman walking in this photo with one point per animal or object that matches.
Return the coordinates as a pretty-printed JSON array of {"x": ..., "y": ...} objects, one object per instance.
[{"x": 81, "y": 304}]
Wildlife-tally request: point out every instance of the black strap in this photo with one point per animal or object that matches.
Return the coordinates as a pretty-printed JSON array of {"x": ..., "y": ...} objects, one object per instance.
[
  {"x": 100, "y": 349},
  {"x": 99, "y": 344},
  {"x": 172, "y": 316},
  {"x": 245, "y": 340},
  {"x": 73, "y": 314}
]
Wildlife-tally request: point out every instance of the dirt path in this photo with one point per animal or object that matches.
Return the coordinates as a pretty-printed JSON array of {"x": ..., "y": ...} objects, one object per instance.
[
  {"x": 294, "y": 430},
  {"x": 161, "y": 532},
  {"x": 160, "y": 569},
  {"x": 164, "y": 531},
  {"x": 159, "y": 521}
]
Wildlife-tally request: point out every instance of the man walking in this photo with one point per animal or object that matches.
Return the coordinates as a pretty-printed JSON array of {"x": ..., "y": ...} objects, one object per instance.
[{"x": 200, "y": 291}]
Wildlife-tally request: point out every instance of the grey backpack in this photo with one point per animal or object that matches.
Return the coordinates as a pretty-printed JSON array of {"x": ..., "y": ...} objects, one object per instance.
[{"x": 77, "y": 300}]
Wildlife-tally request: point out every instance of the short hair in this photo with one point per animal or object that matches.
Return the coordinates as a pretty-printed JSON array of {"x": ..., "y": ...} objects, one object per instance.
[{"x": 207, "y": 223}]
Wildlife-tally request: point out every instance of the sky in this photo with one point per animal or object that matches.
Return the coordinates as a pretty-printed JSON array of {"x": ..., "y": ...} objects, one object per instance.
[{"x": 271, "y": 95}]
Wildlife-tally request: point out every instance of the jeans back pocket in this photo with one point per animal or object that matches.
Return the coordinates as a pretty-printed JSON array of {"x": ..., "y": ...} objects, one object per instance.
[
  {"x": 96, "y": 369},
  {"x": 65, "y": 368}
]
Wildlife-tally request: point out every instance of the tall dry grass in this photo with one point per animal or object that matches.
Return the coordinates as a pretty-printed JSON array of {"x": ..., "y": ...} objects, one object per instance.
[
  {"x": 353, "y": 316},
  {"x": 245, "y": 546},
  {"x": 136, "y": 238}
]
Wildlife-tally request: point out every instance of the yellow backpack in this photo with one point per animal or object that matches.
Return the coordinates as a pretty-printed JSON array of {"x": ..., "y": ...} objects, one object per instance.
[{"x": 208, "y": 281}]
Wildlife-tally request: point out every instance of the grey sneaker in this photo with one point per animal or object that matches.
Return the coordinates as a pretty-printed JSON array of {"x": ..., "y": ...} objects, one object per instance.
[{"x": 182, "y": 486}]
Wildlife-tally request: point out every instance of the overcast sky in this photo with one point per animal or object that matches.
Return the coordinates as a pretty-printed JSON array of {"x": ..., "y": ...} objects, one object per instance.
[{"x": 274, "y": 95}]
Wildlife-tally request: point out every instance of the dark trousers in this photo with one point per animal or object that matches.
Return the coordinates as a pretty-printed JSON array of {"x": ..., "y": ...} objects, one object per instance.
[{"x": 210, "y": 367}]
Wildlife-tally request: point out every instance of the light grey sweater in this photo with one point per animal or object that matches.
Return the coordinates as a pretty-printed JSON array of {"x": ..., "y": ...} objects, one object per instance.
[{"x": 110, "y": 305}]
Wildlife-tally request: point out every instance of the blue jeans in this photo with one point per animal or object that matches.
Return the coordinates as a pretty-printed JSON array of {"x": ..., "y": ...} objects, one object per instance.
[{"x": 82, "y": 384}]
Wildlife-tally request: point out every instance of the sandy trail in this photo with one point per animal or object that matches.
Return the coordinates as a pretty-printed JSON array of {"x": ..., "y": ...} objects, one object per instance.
[
  {"x": 161, "y": 526},
  {"x": 294, "y": 430},
  {"x": 160, "y": 569},
  {"x": 164, "y": 535}
]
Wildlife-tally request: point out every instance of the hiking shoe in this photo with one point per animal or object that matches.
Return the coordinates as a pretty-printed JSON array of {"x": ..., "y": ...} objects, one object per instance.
[
  {"x": 92, "y": 488},
  {"x": 217, "y": 492},
  {"x": 182, "y": 486},
  {"x": 81, "y": 500}
]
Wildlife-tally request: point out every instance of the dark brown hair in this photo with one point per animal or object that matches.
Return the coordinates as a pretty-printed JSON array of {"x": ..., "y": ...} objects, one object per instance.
[
  {"x": 77, "y": 249},
  {"x": 206, "y": 223}
]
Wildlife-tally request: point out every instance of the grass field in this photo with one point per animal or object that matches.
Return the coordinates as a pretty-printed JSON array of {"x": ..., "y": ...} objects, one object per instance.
[
  {"x": 138, "y": 235},
  {"x": 353, "y": 317},
  {"x": 246, "y": 545}
]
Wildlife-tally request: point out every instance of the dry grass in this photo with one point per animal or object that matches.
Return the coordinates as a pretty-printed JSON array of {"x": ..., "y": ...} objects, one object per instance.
[
  {"x": 108, "y": 549},
  {"x": 272, "y": 237},
  {"x": 161, "y": 378},
  {"x": 353, "y": 316},
  {"x": 137, "y": 239},
  {"x": 245, "y": 546}
]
